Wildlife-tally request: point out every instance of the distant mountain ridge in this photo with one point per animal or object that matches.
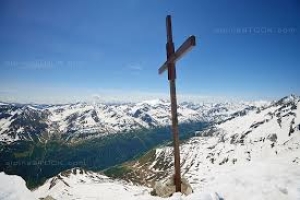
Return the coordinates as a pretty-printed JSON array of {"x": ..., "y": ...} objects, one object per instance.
[{"x": 83, "y": 121}]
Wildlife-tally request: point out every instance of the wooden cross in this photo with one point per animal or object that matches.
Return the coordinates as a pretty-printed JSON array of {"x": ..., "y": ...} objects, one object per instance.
[{"x": 169, "y": 65}]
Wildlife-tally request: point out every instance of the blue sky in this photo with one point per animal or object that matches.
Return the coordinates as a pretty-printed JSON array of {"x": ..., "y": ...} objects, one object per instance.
[{"x": 58, "y": 51}]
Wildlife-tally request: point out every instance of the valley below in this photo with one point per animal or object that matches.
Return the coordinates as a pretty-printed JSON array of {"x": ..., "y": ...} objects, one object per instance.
[{"x": 37, "y": 161}]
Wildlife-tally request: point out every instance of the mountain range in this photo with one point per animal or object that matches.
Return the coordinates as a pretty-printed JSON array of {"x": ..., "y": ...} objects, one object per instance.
[
  {"x": 249, "y": 152},
  {"x": 85, "y": 121}
]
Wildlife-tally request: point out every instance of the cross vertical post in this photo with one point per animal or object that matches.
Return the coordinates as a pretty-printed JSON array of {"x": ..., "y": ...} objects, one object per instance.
[
  {"x": 172, "y": 57},
  {"x": 174, "y": 115}
]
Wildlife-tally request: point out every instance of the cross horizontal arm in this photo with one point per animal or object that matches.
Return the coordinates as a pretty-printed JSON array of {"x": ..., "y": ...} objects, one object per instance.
[{"x": 183, "y": 49}]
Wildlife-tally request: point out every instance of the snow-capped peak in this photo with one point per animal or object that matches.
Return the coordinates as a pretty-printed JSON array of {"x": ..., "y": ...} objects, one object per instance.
[
  {"x": 289, "y": 99},
  {"x": 96, "y": 120},
  {"x": 154, "y": 102}
]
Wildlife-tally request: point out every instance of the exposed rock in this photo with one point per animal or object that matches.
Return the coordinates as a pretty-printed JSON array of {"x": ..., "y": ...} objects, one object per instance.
[
  {"x": 272, "y": 145},
  {"x": 279, "y": 122},
  {"x": 225, "y": 160},
  {"x": 233, "y": 138},
  {"x": 47, "y": 198},
  {"x": 257, "y": 124},
  {"x": 272, "y": 137},
  {"x": 234, "y": 161},
  {"x": 166, "y": 188}
]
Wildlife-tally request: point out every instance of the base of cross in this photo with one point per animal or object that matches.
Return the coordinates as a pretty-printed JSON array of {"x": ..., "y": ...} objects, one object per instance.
[{"x": 167, "y": 188}]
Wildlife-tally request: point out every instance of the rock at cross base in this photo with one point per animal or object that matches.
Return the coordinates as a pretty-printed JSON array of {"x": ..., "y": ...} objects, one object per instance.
[{"x": 166, "y": 188}]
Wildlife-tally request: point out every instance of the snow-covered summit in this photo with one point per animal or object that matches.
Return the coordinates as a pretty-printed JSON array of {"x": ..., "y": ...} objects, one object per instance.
[
  {"x": 80, "y": 184},
  {"x": 154, "y": 102},
  {"x": 289, "y": 99}
]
